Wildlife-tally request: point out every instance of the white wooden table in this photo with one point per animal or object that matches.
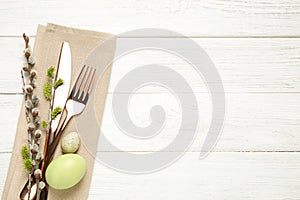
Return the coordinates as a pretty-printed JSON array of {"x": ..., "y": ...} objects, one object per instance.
[{"x": 255, "y": 45}]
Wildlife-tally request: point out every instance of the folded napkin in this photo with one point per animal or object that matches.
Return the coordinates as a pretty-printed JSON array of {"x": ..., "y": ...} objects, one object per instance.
[{"x": 46, "y": 53}]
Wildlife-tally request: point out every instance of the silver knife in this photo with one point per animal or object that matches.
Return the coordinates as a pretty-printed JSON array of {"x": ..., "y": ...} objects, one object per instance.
[{"x": 64, "y": 72}]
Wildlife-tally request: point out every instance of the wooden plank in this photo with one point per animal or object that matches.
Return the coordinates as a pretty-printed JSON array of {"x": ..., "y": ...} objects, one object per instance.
[
  {"x": 220, "y": 176},
  {"x": 10, "y": 109},
  {"x": 254, "y": 122},
  {"x": 191, "y": 18},
  {"x": 245, "y": 65}
]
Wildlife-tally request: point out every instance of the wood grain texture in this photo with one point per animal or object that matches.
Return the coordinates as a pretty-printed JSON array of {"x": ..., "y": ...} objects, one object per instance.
[
  {"x": 254, "y": 122},
  {"x": 192, "y": 18},
  {"x": 245, "y": 65},
  {"x": 220, "y": 176},
  {"x": 255, "y": 46}
]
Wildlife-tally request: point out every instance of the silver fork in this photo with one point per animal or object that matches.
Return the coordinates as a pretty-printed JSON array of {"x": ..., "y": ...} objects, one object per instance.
[{"x": 75, "y": 104}]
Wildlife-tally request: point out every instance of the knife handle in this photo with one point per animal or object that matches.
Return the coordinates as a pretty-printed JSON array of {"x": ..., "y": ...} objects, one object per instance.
[{"x": 56, "y": 135}]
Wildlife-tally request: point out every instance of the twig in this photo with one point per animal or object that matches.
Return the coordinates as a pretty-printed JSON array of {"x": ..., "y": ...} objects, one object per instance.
[
  {"x": 48, "y": 131},
  {"x": 33, "y": 120},
  {"x": 26, "y": 39}
]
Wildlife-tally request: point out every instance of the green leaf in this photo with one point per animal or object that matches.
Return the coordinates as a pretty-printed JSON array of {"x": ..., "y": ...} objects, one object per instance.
[
  {"x": 25, "y": 152},
  {"x": 47, "y": 91},
  {"x": 50, "y": 72},
  {"x": 58, "y": 83},
  {"x": 56, "y": 112}
]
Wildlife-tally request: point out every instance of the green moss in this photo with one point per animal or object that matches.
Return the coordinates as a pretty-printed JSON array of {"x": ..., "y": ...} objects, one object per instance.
[
  {"x": 56, "y": 112},
  {"x": 27, "y": 162},
  {"x": 27, "y": 165},
  {"x": 58, "y": 83},
  {"x": 50, "y": 72},
  {"x": 47, "y": 91},
  {"x": 25, "y": 152},
  {"x": 44, "y": 124}
]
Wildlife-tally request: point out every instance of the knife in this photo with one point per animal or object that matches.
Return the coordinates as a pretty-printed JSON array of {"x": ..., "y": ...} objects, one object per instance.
[{"x": 61, "y": 93}]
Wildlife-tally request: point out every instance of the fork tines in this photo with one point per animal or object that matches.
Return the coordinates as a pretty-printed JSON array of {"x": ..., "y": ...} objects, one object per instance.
[{"x": 83, "y": 85}]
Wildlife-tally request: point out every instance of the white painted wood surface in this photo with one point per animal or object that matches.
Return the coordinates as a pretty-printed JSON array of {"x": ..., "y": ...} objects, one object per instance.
[
  {"x": 254, "y": 122},
  {"x": 255, "y": 45},
  {"x": 192, "y": 18},
  {"x": 246, "y": 65}
]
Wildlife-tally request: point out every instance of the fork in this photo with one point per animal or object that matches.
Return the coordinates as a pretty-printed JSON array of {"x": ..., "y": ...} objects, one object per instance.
[{"x": 75, "y": 104}]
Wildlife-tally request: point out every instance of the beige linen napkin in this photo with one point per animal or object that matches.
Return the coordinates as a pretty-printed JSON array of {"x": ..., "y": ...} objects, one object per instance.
[{"x": 46, "y": 53}]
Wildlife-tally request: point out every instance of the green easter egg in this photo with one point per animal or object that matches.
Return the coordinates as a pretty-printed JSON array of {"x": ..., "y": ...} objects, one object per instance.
[{"x": 65, "y": 171}]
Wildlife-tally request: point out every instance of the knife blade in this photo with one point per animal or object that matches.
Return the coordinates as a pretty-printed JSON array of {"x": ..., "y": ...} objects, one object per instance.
[{"x": 64, "y": 72}]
